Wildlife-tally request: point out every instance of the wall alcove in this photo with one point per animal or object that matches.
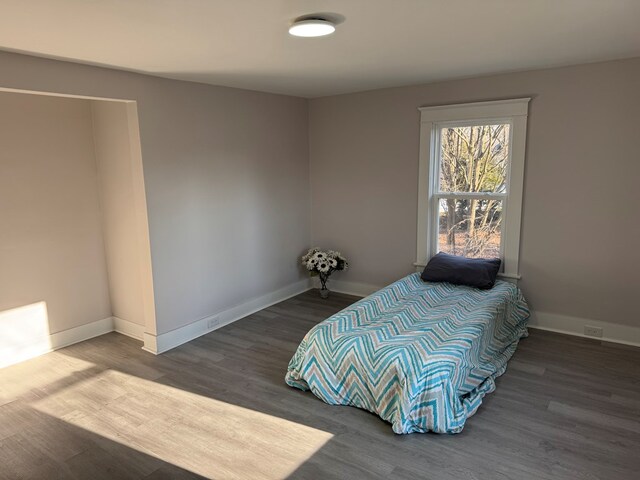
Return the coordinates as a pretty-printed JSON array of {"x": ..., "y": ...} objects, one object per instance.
[{"x": 74, "y": 236}]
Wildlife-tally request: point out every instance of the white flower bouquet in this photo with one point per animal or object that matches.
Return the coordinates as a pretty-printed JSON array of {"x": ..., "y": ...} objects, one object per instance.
[{"x": 323, "y": 264}]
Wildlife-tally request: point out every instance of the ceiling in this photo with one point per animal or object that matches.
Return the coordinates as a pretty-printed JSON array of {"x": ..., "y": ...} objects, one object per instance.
[{"x": 380, "y": 43}]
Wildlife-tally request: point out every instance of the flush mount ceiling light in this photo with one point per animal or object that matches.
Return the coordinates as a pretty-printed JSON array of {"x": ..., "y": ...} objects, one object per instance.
[{"x": 312, "y": 27}]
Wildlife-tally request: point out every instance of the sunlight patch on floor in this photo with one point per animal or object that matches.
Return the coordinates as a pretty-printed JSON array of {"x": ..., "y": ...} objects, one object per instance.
[
  {"x": 204, "y": 435},
  {"x": 24, "y": 333}
]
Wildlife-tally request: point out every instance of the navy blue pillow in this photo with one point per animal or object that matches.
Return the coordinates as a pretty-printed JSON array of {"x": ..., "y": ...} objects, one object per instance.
[{"x": 474, "y": 272}]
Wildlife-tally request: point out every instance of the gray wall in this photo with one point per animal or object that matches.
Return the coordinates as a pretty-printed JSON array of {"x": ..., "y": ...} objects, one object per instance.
[
  {"x": 124, "y": 212},
  {"x": 580, "y": 250},
  {"x": 228, "y": 174},
  {"x": 51, "y": 247},
  {"x": 227, "y": 182}
]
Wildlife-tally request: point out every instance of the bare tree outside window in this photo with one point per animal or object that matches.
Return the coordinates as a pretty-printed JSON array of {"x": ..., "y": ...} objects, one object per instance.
[{"x": 473, "y": 163}]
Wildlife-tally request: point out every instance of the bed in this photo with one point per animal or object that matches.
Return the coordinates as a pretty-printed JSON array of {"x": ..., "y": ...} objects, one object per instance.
[{"x": 420, "y": 355}]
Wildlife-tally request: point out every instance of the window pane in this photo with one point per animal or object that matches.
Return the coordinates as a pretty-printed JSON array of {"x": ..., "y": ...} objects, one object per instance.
[
  {"x": 474, "y": 159},
  {"x": 471, "y": 228}
]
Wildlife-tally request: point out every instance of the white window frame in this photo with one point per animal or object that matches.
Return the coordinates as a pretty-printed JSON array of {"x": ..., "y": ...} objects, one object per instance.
[{"x": 432, "y": 120}]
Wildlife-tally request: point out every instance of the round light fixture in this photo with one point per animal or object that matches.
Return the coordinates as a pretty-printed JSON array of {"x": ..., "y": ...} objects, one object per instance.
[{"x": 312, "y": 27}]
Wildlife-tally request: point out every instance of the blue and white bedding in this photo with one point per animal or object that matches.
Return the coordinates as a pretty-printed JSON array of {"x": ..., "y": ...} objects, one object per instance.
[{"x": 420, "y": 355}]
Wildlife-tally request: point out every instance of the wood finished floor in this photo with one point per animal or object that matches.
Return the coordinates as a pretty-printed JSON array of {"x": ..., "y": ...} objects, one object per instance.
[{"x": 218, "y": 407}]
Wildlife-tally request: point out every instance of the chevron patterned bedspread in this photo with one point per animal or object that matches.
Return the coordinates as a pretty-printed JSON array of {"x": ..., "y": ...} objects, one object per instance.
[{"x": 420, "y": 355}]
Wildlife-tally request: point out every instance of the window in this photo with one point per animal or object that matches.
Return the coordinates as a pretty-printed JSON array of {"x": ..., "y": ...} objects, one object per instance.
[{"x": 470, "y": 181}]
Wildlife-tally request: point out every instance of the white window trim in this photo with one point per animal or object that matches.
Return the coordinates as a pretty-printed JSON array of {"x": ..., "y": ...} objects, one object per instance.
[{"x": 513, "y": 111}]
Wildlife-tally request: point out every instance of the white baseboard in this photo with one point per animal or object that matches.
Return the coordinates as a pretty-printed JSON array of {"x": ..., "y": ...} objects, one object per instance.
[
  {"x": 41, "y": 344},
  {"x": 81, "y": 333},
  {"x": 611, "y": 332},
  {"x": 130, "y": 329},
  {"x": 157, "y": 344}
]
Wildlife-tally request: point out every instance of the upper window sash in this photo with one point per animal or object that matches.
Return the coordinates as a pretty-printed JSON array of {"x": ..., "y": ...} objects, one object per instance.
[{"x": 438, "y": 129}]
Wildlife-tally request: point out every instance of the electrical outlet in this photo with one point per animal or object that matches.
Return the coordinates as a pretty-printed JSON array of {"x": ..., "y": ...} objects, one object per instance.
[
  {"x": 590, "y": 331},
  {"x": 213, "y": 323}
]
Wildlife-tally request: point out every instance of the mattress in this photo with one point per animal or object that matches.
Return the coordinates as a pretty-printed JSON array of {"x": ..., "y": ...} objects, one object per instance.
[{"x": 420, "y": 355}]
